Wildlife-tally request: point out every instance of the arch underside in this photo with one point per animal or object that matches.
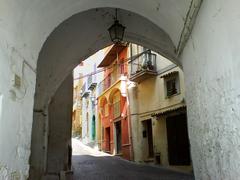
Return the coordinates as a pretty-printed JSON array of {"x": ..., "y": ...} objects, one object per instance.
[
  {"x": 82, "y": 35},
  {"x": 73, "y": 41}
]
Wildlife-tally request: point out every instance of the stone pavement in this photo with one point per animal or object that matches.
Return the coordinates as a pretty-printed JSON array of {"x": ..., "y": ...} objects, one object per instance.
[{"x": 89, "y": 164}]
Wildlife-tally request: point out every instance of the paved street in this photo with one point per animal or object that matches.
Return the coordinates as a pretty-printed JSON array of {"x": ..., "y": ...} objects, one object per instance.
[{"x": 90, "y": 164}]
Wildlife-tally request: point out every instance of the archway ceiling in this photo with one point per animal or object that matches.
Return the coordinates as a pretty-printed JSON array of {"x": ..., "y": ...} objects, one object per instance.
[
  {"x": 82, "y": 35},
  {"x": 28, "y": 23},
  {"x": 159, "y": 27}
]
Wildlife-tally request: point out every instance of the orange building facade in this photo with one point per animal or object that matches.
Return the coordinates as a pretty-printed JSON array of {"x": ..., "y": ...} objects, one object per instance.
[{"x": 114, "y": 131}]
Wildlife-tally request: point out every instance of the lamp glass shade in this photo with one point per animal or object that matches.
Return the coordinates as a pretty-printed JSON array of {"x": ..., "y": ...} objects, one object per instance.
[{"x": 116, "y": 32}]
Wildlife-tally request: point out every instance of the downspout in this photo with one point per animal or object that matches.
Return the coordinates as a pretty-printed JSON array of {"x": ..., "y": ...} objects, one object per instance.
[
  {"x": 129, "y": 118},
  {"x": 188, "y": 25},
  {"x": 130, "y": 129}
]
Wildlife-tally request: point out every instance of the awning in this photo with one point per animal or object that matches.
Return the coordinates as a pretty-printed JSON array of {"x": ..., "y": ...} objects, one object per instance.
[
  {"x": 165, "y": 111},
  {"x": 173, "y": 73},
  {"x": 112, "y": 54}
]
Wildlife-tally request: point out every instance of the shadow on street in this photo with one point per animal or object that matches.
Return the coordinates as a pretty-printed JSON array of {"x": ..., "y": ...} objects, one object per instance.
[{"x": 86, "y": 167}]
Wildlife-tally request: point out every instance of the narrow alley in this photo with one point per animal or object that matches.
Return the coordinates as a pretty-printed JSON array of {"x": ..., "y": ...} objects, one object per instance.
[
  {"x": 90, "y": 164},
  {"x": 110, "y": 89}
]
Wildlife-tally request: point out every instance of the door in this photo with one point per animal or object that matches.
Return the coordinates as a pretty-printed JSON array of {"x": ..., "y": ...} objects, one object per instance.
[
  {"x": 118, "y": 137},
  {"x": 93, "y": 127},
  {"x": 150, "y": 138},
  {"x": 107, "y": 140},
  {"x": 147, "y": 139},
  {"x": 178, "y": 142}
]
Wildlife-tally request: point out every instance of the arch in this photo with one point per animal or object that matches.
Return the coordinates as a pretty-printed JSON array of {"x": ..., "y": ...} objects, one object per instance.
[
  {"x": 112, "y": 93},
  {"x": 25, "y": 30},
  {"x": 70, "y": 43},
  {"x": 63, "y": 49},
  {"x": 102, "y": 101}
]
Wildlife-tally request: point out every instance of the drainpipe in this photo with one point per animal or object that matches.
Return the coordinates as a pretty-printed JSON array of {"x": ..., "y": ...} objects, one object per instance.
[
  {"x": 129, "y": 118},
  {"x": 130, "y": 128}
]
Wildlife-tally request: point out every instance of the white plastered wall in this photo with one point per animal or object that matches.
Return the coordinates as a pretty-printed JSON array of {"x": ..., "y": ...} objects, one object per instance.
[
  {"x": 15, "y": 114},
  {"x": 211, "y": 67},
  {"x": 210, "y": 62},
  {"x": 24, "y": 27}
]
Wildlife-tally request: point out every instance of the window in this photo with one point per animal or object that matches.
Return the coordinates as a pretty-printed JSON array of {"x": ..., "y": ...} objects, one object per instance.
[
  {"x": 116, "y": 109},
  {"x": 172, "y": 85},
  {"x": 106, "y": 110},
  {"x": 116, "y": 105}
]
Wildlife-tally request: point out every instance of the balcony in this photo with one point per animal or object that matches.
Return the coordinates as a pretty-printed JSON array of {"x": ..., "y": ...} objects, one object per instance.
[
  {"x": 84, "y": 91},
  {"x": 91, "y": 82},
  {"x": 108, "y": 82},
  {"x": 143, "y": 67}
]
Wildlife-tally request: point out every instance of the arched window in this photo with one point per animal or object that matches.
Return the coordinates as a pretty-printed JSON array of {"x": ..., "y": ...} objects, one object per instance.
[
  {"x": 116, "y": 105},
  {"x": 106, "y": 112}
]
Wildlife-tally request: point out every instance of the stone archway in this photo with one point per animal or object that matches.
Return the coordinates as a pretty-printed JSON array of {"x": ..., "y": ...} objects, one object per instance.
[
  {"x": 210, "y": 62},
  {"x": 71, "y": 42},
  {"x": 23, "y": 35}
]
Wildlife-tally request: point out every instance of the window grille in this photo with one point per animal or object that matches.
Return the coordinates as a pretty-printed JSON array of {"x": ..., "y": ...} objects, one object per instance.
[
  {"x": 106, "y": 110},
  {"x": 171, "y": 87},
  {"x": 116, "y": 106}
]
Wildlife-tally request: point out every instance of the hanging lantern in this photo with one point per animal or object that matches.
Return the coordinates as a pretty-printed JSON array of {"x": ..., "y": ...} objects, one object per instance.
[{"x": 116, "y": 31}]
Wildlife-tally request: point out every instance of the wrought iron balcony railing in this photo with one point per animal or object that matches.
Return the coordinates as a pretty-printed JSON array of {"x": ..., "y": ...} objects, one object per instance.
[
  {"x": 108, "y": 81},
  {"x": 91, "y": 82},
  {"x": 143, "y": 66},
  {"x": 84, "y": 90},
  {"x": 146, "y": 61}
]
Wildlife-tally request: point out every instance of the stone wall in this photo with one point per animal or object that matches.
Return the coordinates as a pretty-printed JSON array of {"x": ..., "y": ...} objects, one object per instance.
[
  {"x": 59, "y": 130},
  {"x": 211, "y": 67},
  {"x": 210, "y": 62},
  {"x": 16, "y": 112}
]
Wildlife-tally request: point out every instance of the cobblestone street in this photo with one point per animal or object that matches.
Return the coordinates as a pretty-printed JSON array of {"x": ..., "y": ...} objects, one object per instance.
[{"x": 90, "y": 164}]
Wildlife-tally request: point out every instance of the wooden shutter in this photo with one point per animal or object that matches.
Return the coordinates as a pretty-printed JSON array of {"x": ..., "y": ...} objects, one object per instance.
[{"x": 116, "y": 105}]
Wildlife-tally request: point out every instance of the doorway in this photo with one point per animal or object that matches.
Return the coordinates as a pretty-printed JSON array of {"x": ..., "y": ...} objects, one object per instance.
[
  {"x": 118, "y": 142},
  {"x": 147, "y": 134},
  {"x": 178, "y": 142},
  {"x": 93, "y": 127},
  {"x": 107, "y": 140},
  {"x": 71, "y": 35}
]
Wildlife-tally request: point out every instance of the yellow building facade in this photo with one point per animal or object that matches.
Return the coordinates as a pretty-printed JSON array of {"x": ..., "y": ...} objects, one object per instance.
[
  {"x": 77, "y": 108},
  {"x": 158, "y": 110}
]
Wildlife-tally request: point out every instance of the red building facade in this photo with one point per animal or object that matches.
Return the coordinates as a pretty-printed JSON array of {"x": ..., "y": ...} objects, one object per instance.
[{"x": 112, "y": 103}]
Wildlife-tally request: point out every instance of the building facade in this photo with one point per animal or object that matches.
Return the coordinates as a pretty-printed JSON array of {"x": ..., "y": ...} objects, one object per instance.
[
  {"x": 141, "y": 108},
  {"x": 88, "y": 96},
  {"x": 77, "y": 108},
  {"x": 114, "y": 129},
  {"x": 158, "y": 110},
  {"x": 42, "y": 54}
]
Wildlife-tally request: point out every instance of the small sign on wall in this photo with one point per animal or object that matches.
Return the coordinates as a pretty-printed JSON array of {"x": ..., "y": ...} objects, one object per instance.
[{"x": 16, "y": 81}]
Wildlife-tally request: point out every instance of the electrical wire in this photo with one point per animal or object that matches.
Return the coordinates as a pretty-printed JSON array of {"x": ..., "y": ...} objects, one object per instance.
[{"x": 104, "y": 69}]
